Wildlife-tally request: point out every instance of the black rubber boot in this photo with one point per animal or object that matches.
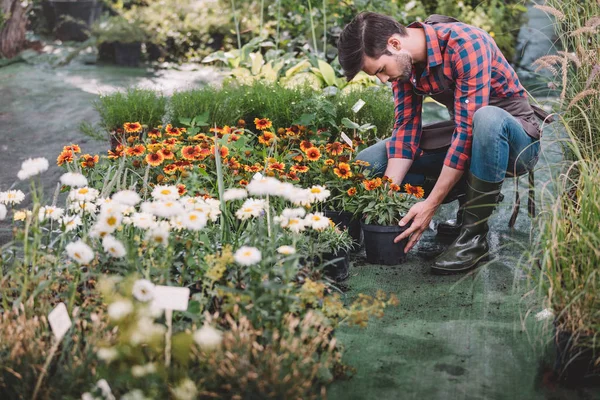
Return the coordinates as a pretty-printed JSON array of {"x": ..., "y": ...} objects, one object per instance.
[
  {"x": 451, "y": 227},
  {"x": 471, "y": 245}
]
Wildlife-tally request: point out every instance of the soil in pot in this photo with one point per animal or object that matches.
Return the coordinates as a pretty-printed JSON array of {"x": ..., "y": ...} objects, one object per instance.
[
  {"x": 574, "y": 364},
  {"x": 345, "y": 220},
  {"x": 71, "y": 20},
  {"x": 128, "y": 54},
  {"x": 380, "y": 246},
  {"x": 337, "y": 270}
]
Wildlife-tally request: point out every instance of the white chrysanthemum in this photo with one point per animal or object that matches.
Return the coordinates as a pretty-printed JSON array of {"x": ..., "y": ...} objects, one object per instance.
[
  {"x": 251, "y": 208},
  {"x": 189, "y": 202},
  {"x": 214, "y": 209},
  {"x": 12, "y": 197},
  {"x": 80, "y": 252},
  {"x": 143, "y": 290},
  {"x": 317, "y": 221},
  {"x": 146, "y": 331},
  {"x": 100, "y": 230},
  {"x": 142, "y": 370},
  {"x": 286, "y": 250},
  {"x": 165, "y": 209},
  {"x": 264, "y": 186},
  {"x": 119, "y": 309},
  {"x": 3, "y": 212},
  {"x": 73, "y": 179},
  {"x": 158, "y": 235},
  {"x": 83, "y": 194},
  {"x": 143, "y": 220},
  {"x": 81, "y": 207},
  {"x": 71, "y": 222},
  {"x": 293, "y": 212},
  {"x": 107, "y": 354},
  {"x": 113, "y": 246},
  {"x": 208, "y": 338},
  {"x": 32, "y": 167},
  {"x": 186, "y": 390},
  {"x": 104, "y": 201},
  {"x": 284, "y": 189},
  {"x": 300, "y": 197},
  {"x": 194, "y": 220},
  {"x": 127, "y": 197},
  {"x": 22, "y": 215},
  {"x": 544, "y": 314},
  {"x": 247, "y": 256},
  {"x": 318, "y": 193},
  {"x": 165, "y": 192},
  {"x": 235, "y": 194},
  {"x": 111, "y": 215},
  {"x": 176, "y": 224},
  {"x": 294, "y": 224},
  {"x": 50, "y": 212}
]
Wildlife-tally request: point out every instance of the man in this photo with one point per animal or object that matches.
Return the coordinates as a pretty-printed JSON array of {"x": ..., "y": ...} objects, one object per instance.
[{"x": 494, "y": 130}]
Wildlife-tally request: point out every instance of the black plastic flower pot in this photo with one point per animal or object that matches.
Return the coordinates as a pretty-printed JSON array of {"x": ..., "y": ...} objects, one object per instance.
[
  {"x": 338, "y": 265},
  {"x": 71, "y": 20},
  {"x": 380, "y": 246},
  {"x": 128, "y": 54},
  {"x": 575, "y": 364},
  {"x": 345, "y": 220}
]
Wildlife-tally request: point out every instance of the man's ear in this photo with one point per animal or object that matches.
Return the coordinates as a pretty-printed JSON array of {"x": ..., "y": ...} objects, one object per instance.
[{"x": 394, "y": 43}]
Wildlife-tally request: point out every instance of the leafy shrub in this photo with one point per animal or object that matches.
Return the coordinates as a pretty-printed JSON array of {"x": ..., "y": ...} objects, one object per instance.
[{"x": 144, "y": 106}]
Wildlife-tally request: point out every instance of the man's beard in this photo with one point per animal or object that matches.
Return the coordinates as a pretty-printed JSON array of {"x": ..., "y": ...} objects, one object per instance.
[{"x": 404, "y": 63}]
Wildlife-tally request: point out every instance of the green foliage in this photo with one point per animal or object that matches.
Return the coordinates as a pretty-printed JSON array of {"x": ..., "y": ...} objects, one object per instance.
[
  {"x": 119, "y": 29},
  {"x": 139, "y": 105}
]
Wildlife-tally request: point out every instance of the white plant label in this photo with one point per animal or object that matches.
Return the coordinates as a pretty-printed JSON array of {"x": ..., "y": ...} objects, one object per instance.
[
  {"x": 358, "y": 105},
  {"x": 346, "y": 139},
  {"x": 257, "y": 175},
  {"x": 171, "y": 298},
  {"x": 59, "y": 321}
]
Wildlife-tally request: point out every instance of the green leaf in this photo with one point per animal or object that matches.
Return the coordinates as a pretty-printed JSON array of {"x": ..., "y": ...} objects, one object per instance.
[
  {"x": 305, "y": 119},
  {"x": 185, "y": 121},
  {"x": 202, "y": 119},
  {"x": 300, "y": 67},
  {"x": 349, "y": 124},
  {"x": 257, "y": 62},
  {"x": 327, "y": 72}
]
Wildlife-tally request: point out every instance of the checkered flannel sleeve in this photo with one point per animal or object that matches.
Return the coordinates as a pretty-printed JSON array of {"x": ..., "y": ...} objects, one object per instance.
[
  {"x": 407, "y": 128},
  {"x": 472, "y": 70}
]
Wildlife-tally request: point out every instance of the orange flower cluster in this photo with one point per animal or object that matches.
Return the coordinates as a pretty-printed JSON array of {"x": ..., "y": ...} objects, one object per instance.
[{"x": 416, "y": 191}]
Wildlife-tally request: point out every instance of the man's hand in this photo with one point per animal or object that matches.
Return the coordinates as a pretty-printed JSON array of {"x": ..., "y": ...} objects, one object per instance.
[{"x": 421, "y": 215}]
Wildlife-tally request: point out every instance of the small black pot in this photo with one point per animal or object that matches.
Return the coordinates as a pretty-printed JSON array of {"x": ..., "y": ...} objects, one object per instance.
[
  {"x": 345, "y": 220},
  {"x": 575, "y": 364},
  {"x": 128, "y": 54},
  {"x": 380, "y": 246},
  {"x": 71, "y": 20},
  {"x": 338, "y": 270}
]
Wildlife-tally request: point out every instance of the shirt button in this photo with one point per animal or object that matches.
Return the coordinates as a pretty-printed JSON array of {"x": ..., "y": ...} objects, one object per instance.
[{"x": 466, "y": 101}]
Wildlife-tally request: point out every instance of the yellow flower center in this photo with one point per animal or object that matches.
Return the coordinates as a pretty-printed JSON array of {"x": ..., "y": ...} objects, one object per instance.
[
  {"x": 247, "y": 253},
  {"x": 83, "y": 191},
  {"x": 111, "y": 221},
  {"x": 315, "y": 190},
  {"x": 165, "y": 192},
  {"x": 193, "y": 217},
  {"x": 77, "y": 255}
]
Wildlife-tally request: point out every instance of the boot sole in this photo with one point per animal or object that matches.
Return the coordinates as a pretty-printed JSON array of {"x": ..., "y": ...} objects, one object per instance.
[{"x": 444, "y": 271}]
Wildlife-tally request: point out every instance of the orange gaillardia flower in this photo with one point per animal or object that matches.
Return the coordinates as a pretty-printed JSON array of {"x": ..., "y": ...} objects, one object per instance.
[
  {"x": 253, "y": 168},
  {"x": 66, "y": 156},
  {"x": 190, "y": 152},
  {"x": 170, "y": 169},
  {"x": 343, "y": 171},
  {"x": 299, "y": 168},
  {"x": 277, "y": 166},
  {"x": 416, "y": 191},
  {"x": 313, "y": 154},
  {"x": 335, "y": 148},
  {"x": 118, "y": 152},
  {"x": 167, "y": 154},
  {"x": 223, "y": 150},
  {"x": 372, "y": 184},
  {"x": 154, "y": 133},
  {"x": 155, "y": 159},
  {"x": 361, "y": 163},
  {"x": 262, "y": 123},
  {"x": 137, "y": 150},
  {"x": 132, "y": 127},
  {"x": 243, "y": 182},
  {"x": 72, "y": 147},
  {"x": 329, "y": 162},
  {"x": 298, "y": 158},
  {"x": 351, "y": 192},
  {"x": 88, "y": 161},
  {"x": 267, "y": 138},
  {"x": 171, "y": 131},
  {"x": 293, "y": 176},
  {"x": 305, "y": 145},
  {"x": 181, "y": 189},
  {"x": 394, "y": 187}
]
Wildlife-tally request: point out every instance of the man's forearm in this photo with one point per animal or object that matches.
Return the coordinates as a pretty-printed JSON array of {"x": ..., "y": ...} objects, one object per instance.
[
  {"x": 448, "y": 178},
  {"x": 397, "y": 168}
]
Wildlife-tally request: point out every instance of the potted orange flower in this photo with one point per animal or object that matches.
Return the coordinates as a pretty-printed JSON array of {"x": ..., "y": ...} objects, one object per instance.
[{"x": 381, "y": 204}]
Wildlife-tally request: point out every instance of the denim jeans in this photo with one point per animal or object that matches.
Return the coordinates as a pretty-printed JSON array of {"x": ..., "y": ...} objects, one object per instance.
[{"x": 500, "y": 148}]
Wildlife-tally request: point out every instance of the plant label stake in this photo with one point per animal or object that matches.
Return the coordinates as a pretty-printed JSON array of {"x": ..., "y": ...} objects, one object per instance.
[
  {"x": 60, "y": 323},
  {"x": 346, "y": 139},
  {"x": 358, "y": 105},
  {"x": 170, "y": 298}
]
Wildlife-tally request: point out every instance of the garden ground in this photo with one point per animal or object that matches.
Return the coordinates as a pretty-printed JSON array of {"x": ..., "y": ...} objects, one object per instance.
[{"x": 457, "y": 337}]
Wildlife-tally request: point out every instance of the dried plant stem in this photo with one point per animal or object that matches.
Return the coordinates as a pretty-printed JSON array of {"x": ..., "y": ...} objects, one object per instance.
[{"x": 45, "y": 368}]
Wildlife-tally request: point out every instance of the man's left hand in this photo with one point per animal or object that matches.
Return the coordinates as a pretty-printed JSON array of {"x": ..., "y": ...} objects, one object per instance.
[{"x": 421, "y": 215}]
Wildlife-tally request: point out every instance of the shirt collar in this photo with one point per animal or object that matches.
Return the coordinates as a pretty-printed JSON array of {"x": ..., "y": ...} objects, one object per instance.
[{"x": 434, "y": 53}]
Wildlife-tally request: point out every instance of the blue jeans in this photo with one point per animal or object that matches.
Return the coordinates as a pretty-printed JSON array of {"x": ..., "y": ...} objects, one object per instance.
[{"x": 500, "y": 148}]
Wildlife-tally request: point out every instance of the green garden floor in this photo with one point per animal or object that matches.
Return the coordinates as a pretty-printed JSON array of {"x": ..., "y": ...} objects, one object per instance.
[{"x": 457, "y": 337}]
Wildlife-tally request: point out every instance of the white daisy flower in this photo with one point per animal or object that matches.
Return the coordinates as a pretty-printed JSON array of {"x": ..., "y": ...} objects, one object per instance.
[
  {"x": 165, "y": 193},
  {"x": 146, "y": 331},
  {"x": 251, "y": 208},
  {"x": 113, "y": 246},
  {"x": 286, "y": 250},
  {"x": 83, "y": 194},
  {"x": 32, "y": 167},
  {"x": 158, "y": 235},
  {"x": 100, "y": 230},
  {"x": 235, "y": 194},
  {"x": 264, "y": 186},
  {"x": 119, "y": 309},
  {"x": 186, "y": 390},
  {"x": 544, "y": 314},
  {"x": 214, "y": 209},
  {"x": 12, "y": 197},
  {"x": 104, "y": 201},
  {"x": 80, "y": 252},
  {"x": 3, "y": 212},
  {"x": 111, "y": 215},
  {"x": 81, "y": 207},
  {"x": 293, "y": 212},
  {"x": 318, "y": 193},
  {"x": 208, "y": 338},
  {"x": 317, "y": 221},
  {"x": 164, "y": 209},
  {"x": 194, "y": 220},
  {"x": 143, "y": 220},
  {"x": 127, "y": 197},
  {"x": 71, "y": 222},
  {"x": 73, "y": 179},
  {"x": 50, "y": 212},
  {"x": 295, "y": 225},
  {"x": 143, "y": 290},
  {"x": 300, "y": 197},
  {"x": 247, "y": 256}
]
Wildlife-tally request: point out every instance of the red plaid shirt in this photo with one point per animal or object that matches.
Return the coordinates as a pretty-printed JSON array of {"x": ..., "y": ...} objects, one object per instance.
[{"x": 474, "y": 66}]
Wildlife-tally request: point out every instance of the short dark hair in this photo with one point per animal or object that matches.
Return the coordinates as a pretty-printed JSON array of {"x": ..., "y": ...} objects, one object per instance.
[{"x": 367, "y": 34}]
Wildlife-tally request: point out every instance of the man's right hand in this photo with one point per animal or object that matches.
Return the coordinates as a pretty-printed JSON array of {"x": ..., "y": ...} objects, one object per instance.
[{"x": 397, "y": 168}]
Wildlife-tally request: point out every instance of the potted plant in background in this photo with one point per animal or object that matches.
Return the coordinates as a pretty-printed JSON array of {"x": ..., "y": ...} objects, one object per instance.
[
  {"x": 121, "y": 39},
  {"x": 71, "y": 19},
  {"x": 381, "y": 205}
]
